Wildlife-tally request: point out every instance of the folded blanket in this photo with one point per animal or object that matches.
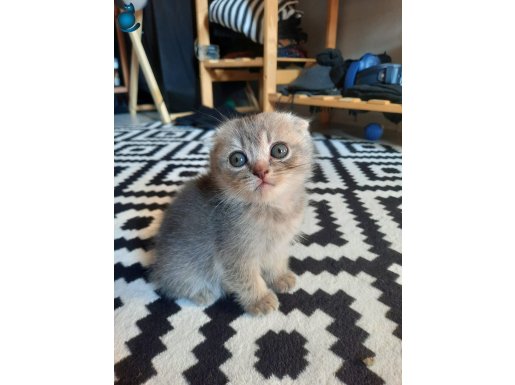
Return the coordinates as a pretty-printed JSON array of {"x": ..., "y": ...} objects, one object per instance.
[
  {"x": 246, "y": 16},
  {"x": 392, "y": 92},
  {"x": 315, "y": 80}
]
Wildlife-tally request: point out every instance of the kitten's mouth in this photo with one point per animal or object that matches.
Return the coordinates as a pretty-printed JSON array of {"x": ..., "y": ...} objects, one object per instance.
[{"x": 264, "y": 185}]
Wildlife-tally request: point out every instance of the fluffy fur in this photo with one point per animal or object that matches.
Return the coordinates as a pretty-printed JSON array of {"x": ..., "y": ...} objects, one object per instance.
[{"x": 229, "y": 230}]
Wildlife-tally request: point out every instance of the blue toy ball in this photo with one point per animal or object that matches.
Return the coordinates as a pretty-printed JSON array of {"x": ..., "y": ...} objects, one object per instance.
[
  {"x": 126, "y": 20},
  {"x": 373, "y": 131}
]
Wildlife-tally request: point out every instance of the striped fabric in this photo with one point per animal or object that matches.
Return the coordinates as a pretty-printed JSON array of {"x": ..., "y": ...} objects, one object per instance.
[{"x": 246, "y": 16}]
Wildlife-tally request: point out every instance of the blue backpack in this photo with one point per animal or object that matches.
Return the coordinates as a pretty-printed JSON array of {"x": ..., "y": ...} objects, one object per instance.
[
  {"x": 372, "y": 69},
  {"x": 366, "y": 61}
]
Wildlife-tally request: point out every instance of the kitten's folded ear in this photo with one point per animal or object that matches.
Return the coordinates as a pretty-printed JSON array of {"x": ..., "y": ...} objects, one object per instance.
[{"x": 298, "y": 122}]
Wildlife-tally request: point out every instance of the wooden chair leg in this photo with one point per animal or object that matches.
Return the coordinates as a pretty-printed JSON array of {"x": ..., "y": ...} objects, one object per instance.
[{"x": 149, "y": 77}]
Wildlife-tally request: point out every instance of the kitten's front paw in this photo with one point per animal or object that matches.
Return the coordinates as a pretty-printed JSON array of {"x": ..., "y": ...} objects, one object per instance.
[
  {"x": 264, "y": 305},
  {"x": 285, "y": 282}
]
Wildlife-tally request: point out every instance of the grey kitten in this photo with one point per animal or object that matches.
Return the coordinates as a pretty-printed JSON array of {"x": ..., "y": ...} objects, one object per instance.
[{"x": 229, "y": 230}]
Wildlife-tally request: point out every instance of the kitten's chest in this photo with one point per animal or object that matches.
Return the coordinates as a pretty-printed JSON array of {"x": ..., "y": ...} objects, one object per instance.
[
  {"x": 273, "y": 225},
  {"x": 260, "y": 231}
]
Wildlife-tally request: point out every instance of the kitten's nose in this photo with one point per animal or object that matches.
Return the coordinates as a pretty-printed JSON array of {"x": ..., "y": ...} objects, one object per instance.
[{"x": 260, "y": 170}]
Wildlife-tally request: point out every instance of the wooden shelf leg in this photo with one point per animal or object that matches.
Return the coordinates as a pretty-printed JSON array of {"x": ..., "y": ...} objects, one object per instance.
[
  {"x": 325, "y": 116},
  {"x": 330, "y": 42},
  {"x": 206, "y": 85},
  {"x": 332, "y": 23},
  {"x": 270, "y": 21}
]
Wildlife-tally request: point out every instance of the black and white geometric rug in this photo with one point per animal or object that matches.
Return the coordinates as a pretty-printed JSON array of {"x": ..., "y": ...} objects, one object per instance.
[{"x": 341, "y": 323}]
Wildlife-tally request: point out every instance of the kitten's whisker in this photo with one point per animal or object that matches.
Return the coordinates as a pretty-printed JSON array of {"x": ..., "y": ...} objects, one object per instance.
[
  {"x": 299, "y": 165},
  {"x": 226, "y": 118},
  {"x": 211, "y": 116},
  {"x": 288, "y": 168},
  {"x": 226, "y": 198},
  {"x": 300, "y": 236}
]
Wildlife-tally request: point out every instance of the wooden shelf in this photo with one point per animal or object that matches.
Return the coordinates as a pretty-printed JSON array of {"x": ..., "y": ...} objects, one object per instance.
[
  {"x": 232, "y": 75},
  {"x": 120, "y": 90},
  {"x": 251, "y": 62},
  {"x": 269, "y": 74},
  {"x": 296, "y": 59},
  {"x": 335, "y": 101},
  {"x": 228, "y": 63}
]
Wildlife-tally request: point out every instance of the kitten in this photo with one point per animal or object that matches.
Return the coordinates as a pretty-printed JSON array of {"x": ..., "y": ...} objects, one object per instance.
[{"x": 229, "y": 230}]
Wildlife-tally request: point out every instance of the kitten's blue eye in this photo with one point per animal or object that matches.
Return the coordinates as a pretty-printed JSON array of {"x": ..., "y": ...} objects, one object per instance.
[
  {"x": 279, "y": 150},
  {"x": 237, "y": 159}
]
